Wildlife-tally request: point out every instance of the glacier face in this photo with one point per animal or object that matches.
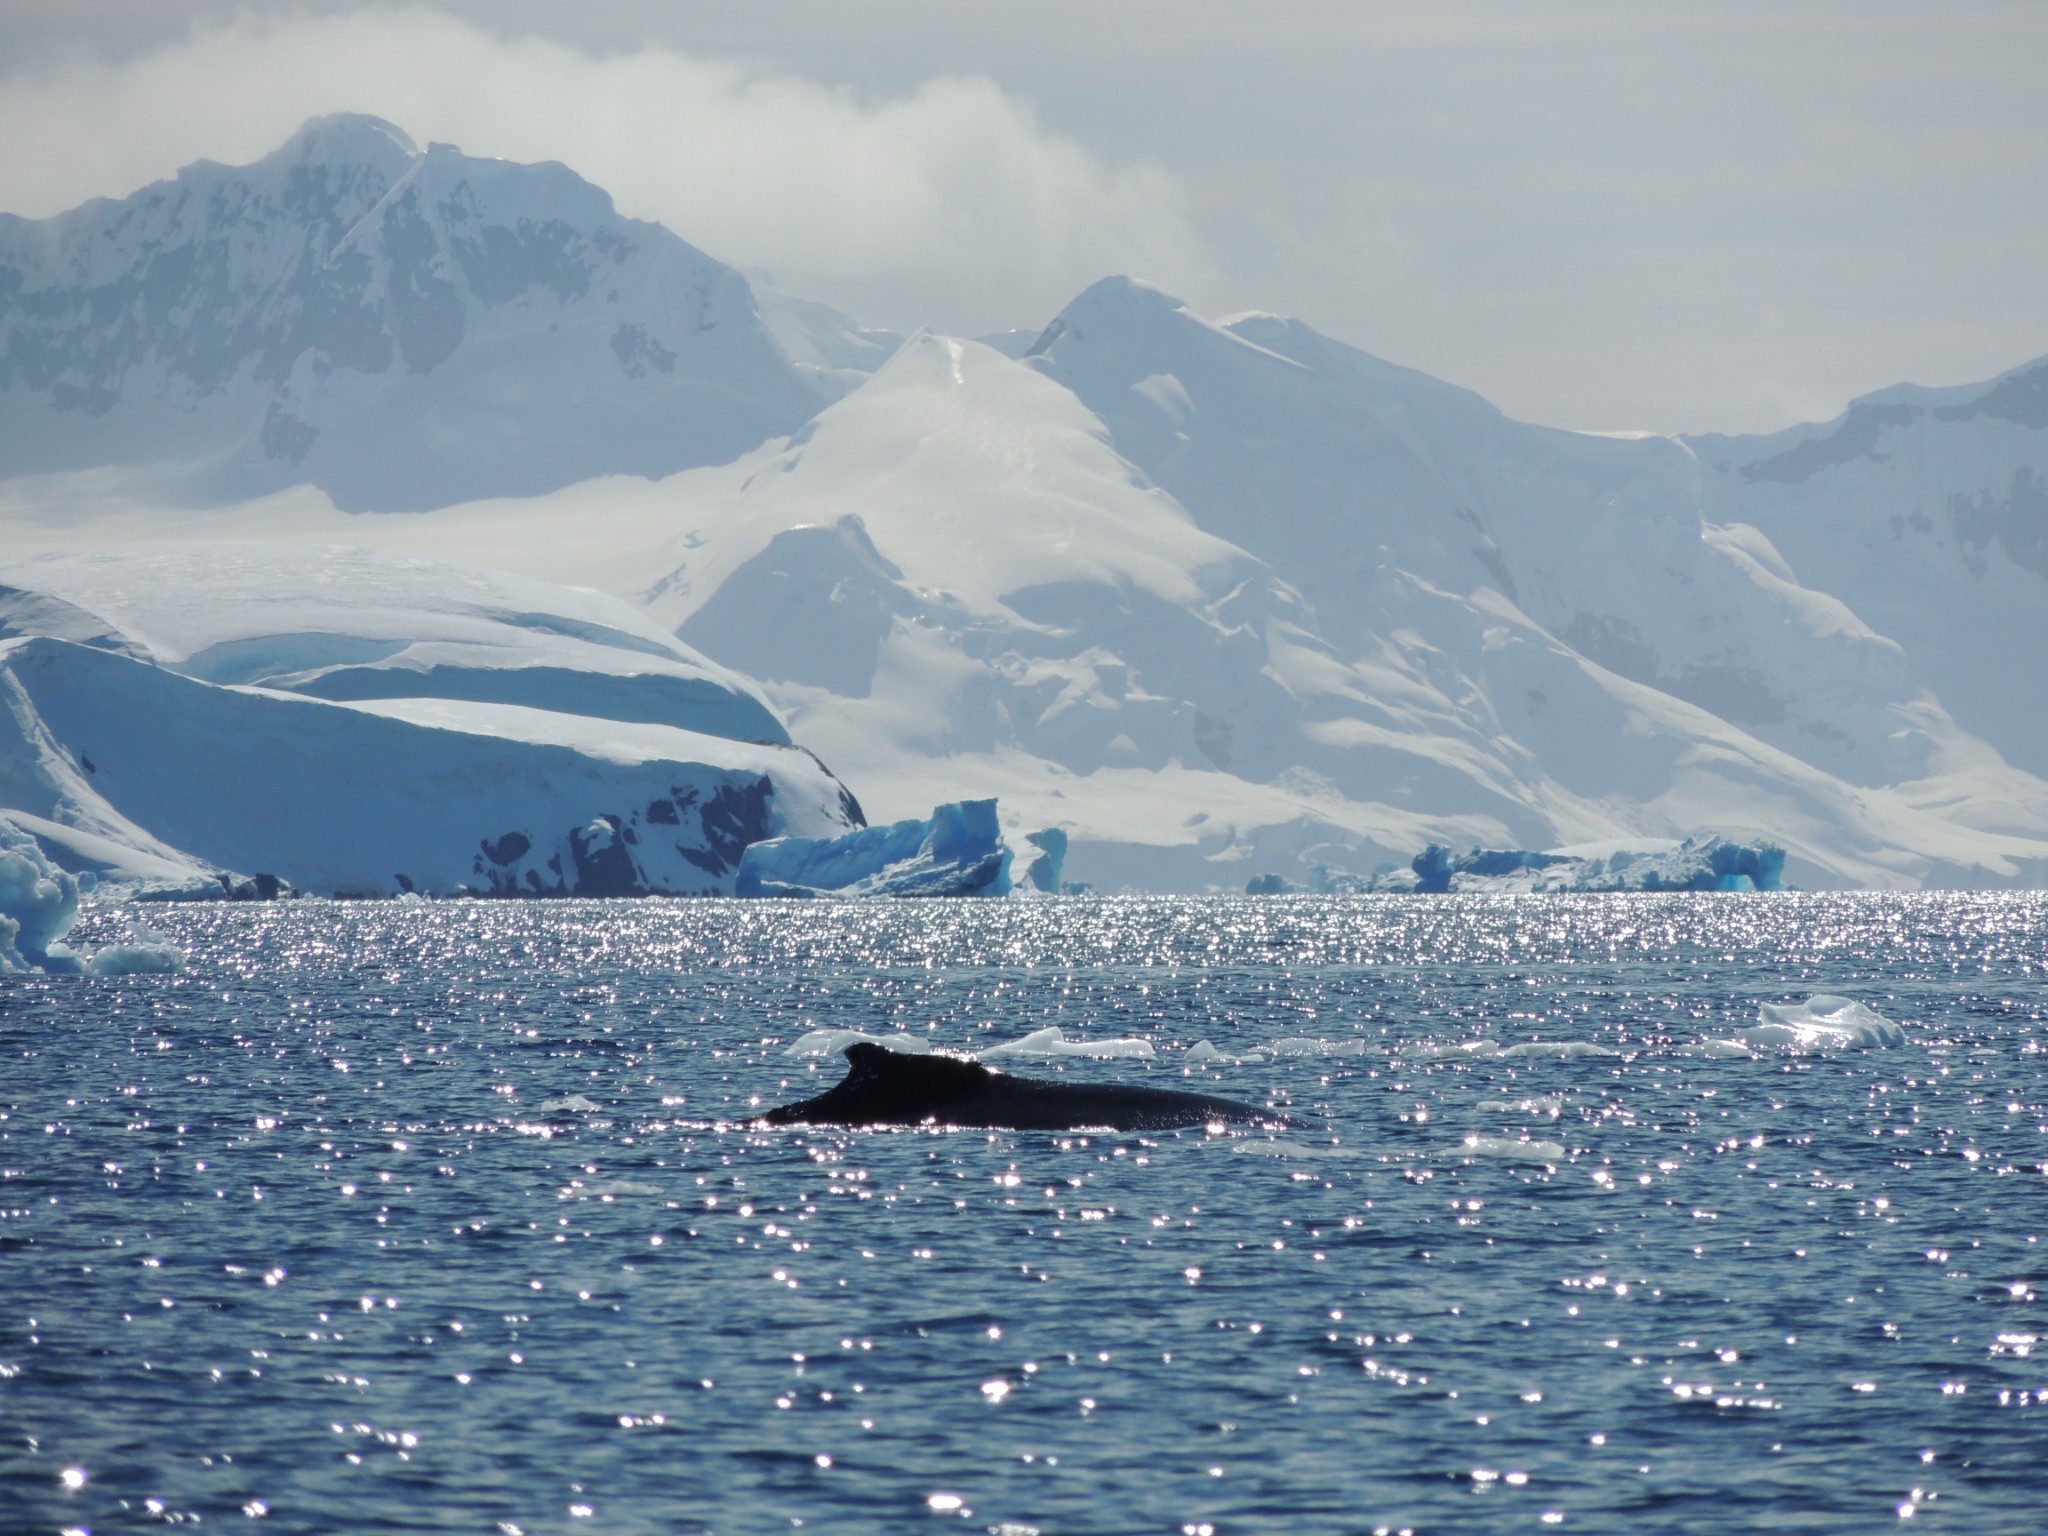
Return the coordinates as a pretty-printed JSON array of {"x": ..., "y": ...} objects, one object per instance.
[
  {"x": 403, "y": 328},
  {"x": 1209, "y": 596},
  {"x": 158, "y": 723}
]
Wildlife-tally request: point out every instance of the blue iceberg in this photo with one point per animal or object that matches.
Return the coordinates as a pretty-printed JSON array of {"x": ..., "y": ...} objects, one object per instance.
[
  {"x": 1701, "y": 863},
  {"x": 958, "y": 852}
]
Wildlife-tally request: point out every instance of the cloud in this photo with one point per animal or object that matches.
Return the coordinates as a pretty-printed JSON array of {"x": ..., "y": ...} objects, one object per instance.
[{"x": 950, "y": 205}]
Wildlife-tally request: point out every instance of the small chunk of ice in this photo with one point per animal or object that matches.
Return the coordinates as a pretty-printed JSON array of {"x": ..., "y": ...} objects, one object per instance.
[
  {"x": 1824, "y": 1022},
  {"x": 1516, "y": 1147},
  {"x": 1203, "y": 1053},
  {"x": 1452, "y": 1050},
  {"x": 1045, "y": 1044}
]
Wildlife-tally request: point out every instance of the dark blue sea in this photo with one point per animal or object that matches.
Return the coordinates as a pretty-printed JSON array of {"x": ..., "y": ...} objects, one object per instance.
[{"x": 407, "y": 1217}]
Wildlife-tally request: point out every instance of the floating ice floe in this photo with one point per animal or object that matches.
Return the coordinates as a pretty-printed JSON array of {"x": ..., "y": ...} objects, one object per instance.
[
  {"x": 1445, "y": 1050},
  {"x": 1465, "y": 1050},
  {"x": 1280, "y": 1146},
  {"x": 1519, "y": 1148},
  {"x": 1551, "y": 1104},
  {"x": 145, "y": 953},
  {"x": 1823, "y": 1022},
  {"x": 1050, "y": 1042},
  {"x": 1700, "y": 863},
  {"x": 1202, "y": 1052},
  {"x": 830, "y": 1042},
  {"x": 1309, "y": 1045}
]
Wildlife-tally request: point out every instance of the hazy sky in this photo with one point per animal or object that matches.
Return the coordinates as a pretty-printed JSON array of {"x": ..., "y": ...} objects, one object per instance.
[{"x": 1598, "y": 213}]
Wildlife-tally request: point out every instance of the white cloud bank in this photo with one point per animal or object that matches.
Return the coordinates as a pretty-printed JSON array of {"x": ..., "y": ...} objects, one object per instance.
[{"x": 951, "y": 205}]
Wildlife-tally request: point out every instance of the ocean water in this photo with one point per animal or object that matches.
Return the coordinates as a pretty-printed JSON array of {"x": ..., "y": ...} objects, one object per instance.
[{"x": 411, "y": 1217}]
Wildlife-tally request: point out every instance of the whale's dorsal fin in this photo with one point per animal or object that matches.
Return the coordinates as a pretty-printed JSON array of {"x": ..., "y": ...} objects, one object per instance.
[{"x": 874, "y": 1066}]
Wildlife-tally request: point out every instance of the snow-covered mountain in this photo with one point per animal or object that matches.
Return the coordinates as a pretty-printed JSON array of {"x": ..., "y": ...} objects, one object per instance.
[
  {"x": 1344, "y": 472},
  {"x": 402, "y": 328},
  {"x": 953, "y": 577},
  {"x": 362, "y": 724},
  {"x": 1214, "y": 597},
  {"x": 1926, "y": 511}
]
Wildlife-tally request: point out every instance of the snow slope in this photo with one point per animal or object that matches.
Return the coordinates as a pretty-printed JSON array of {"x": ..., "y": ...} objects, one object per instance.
[
  {"x": 1926, "y": 511},
  {"x": 953, "y": 583},
  {"x": 477, "y": 732},
  {"x": 402, "y": 328},
  {"x": 1338, "y": 469}
]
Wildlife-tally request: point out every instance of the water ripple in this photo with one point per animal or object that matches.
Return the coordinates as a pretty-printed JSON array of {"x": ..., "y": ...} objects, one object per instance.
[{"x": 394, "y": 1216}]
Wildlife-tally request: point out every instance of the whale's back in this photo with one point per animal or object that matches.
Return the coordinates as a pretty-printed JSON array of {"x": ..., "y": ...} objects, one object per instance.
[{"x": 884, "y": 1087}]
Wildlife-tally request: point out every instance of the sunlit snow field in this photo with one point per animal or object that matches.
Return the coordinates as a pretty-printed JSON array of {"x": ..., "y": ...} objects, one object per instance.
[{"x": 398, "y": 1216}]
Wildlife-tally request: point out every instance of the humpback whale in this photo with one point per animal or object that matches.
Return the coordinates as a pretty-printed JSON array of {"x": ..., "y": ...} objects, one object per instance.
[{"x": 884, "y": 1088}]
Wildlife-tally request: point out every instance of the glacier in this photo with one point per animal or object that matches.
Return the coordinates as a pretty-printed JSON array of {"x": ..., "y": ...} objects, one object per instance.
[{"x": 182, "y": 719}]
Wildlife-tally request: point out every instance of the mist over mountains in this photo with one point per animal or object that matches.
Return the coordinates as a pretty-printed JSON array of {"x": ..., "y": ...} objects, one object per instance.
[{"x": 1215, "y": 596}]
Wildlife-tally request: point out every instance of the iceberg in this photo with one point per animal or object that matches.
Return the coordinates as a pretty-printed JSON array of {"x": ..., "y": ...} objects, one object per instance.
[
  {"x": 1044, "y": 863},
  {"x": 1824, "y": 1022},
  {"x": 1700, "y": 863},
  {"x": 1050, "y": 1043},
  {"x": 959, "y": 851},
  {"x": 145, "y": 953},
  {"x": 39, "y": 903}
]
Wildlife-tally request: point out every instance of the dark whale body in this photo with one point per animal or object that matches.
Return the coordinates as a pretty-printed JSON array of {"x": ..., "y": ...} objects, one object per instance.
[{"x": 883, "y": 1087}]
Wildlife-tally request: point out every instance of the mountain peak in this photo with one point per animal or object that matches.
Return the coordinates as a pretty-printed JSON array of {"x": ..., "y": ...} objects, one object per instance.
[
  {"x": 1117, "y": 300},
  {"x": 1133, "y": 292},
  {"x": 347, "y": 136},
  {"x": 399, "y": 327},
  {"x": 1130, "y": 317}
]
